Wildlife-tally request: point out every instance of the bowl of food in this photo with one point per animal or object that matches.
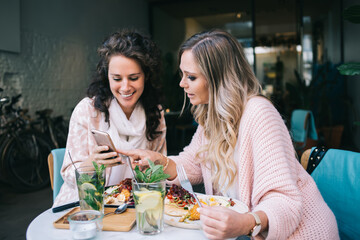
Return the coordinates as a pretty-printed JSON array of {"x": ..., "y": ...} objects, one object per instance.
[{"x": 85, "y": 224}]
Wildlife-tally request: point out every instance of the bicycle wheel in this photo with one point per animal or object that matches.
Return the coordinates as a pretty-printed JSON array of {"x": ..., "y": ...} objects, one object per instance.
[
  {"x": 3, "y": 173},
  {"x": 60, "y": 130},
  {"x": 25, "y": 160}
]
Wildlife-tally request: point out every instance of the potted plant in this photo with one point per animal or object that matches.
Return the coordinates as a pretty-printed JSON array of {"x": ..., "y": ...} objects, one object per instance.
[
  {"x": 324, "y": 97},
  {"x": 351, "y": 14}
]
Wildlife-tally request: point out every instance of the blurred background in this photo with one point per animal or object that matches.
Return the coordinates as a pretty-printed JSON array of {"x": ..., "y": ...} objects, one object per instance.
[{"x": 48, "y": 55}]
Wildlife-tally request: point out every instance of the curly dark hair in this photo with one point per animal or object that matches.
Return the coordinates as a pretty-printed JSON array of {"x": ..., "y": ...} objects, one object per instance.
[{"x": 130, "y": 44}]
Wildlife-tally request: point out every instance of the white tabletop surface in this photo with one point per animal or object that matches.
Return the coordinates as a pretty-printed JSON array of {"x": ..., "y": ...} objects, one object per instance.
[{"x": 42, "y": 228}]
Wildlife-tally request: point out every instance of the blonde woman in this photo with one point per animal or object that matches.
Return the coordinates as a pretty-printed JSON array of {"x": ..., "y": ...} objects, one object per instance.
[{"x": 242, "y": 149}]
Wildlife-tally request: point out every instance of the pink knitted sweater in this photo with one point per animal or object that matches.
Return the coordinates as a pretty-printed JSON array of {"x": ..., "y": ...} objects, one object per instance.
[{"x": 270, "y": 178}]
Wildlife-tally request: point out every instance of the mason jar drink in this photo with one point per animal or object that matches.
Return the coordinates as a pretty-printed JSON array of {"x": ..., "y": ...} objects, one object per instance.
[
  {"x": 149, "y": 206},
  {"x": 91, "y": 186}
]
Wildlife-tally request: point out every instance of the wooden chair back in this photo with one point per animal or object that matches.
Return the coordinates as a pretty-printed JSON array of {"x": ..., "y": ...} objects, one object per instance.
[
  {"x": 51, "y": 169},
  {"x": 55, "y": 161},
  {"x": 305, "y": 158}
]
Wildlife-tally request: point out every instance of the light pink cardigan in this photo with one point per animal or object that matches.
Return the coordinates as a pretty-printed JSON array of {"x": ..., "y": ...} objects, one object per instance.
[
  {"x": 81, "y": 143},
  {"x": 270, "y": 177}
]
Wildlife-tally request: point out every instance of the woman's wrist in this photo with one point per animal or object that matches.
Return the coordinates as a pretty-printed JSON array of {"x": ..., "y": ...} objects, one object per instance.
[
  {"x": 263, "y": 221},
  {"x": 163, "y": 160},
  {"x": 160, "y": 159},
  {"x": 168, "y": 164}
]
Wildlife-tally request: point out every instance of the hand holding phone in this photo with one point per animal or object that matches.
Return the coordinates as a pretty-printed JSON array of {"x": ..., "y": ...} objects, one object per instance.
[{"x": 104, "y": 139}]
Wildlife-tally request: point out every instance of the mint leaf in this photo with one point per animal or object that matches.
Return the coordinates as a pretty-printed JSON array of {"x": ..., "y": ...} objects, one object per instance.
[
  {"x": 102, "y": 167},
  {"x": 95, "y": 166},
  {"x": 98, "y": 170},
  {"x": 159, "y": 177},
  {"x": 155, "y": 173},
  {"x": 148, "y": 171},
  {"x": 157, "y": 168},
  {"x": 151, "y": 164},
  {"x": 140, "y": 176}
]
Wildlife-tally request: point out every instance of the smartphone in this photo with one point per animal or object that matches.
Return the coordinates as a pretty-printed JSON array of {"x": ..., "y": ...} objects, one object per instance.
[{"x": 103, "y": 139}]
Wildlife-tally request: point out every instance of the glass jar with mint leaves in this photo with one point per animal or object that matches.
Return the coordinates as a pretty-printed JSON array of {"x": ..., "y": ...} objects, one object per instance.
[
  {"x": 149, "y": 191},
  {"x": 90, "y": 181}
]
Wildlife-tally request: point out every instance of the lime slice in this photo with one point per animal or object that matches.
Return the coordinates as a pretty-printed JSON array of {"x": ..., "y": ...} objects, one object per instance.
[
  {"x": 155, "y": 213},
  {"x": 87, "y": 186},
  {"x": 141, "y": 193},
  {"x": 148, "y": 200}
]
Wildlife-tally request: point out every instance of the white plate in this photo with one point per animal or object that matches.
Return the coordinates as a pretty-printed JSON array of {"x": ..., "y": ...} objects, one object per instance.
[{"x": 174, "y": 221}]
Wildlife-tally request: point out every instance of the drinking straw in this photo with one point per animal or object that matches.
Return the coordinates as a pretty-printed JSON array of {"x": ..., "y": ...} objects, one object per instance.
[
  {"x": 72, "y": 161},
  {"x": 132, "y": 170}
]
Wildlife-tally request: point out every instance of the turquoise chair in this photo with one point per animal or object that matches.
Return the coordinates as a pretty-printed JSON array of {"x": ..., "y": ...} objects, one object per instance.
[
  {"x": 337, "y": 175},
  {"x": 55, "y": 161},
  {"x": 302, "y": 130}
]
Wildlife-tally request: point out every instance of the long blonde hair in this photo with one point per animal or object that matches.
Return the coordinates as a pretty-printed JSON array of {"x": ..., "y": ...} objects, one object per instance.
[{"x": 231, "y": 82}]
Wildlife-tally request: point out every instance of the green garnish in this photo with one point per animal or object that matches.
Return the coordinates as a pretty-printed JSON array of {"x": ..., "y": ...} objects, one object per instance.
[
  {"x": 155, "y": 173},
  {"x": 98, "y": 170}
]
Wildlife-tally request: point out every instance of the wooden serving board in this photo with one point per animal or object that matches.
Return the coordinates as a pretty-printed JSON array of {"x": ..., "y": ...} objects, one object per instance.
[{"x": 112, "y": 222}]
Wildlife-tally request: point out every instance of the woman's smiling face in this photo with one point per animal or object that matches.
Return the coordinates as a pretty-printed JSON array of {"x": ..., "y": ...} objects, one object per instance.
[
  {"x": 127, "y": 81},
  {"x": 193, "y": 81}
]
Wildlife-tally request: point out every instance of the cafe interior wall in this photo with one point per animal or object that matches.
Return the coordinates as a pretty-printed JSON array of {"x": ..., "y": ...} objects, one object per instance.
[
  {"x": 288, "y": 56},
  {"x": 166, "y": 25},
  {"x": 58, "y": 43},
  {"x": 331, "y": 47}
]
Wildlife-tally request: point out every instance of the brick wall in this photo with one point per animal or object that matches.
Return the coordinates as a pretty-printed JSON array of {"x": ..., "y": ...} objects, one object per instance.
[{"x": 58, "y": 49}]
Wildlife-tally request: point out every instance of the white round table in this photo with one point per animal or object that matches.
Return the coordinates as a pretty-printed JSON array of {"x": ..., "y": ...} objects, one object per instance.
[{"x": 42, "y": 228}]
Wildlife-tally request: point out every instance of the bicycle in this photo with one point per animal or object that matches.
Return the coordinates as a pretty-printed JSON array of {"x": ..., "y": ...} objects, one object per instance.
[
  {"x": 23, "y": 150},
  {"x": 54, "y": 128}
]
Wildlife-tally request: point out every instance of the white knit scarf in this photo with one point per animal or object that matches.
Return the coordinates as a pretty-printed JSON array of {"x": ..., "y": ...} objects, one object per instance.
[{"x": 126, "y": 134}]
